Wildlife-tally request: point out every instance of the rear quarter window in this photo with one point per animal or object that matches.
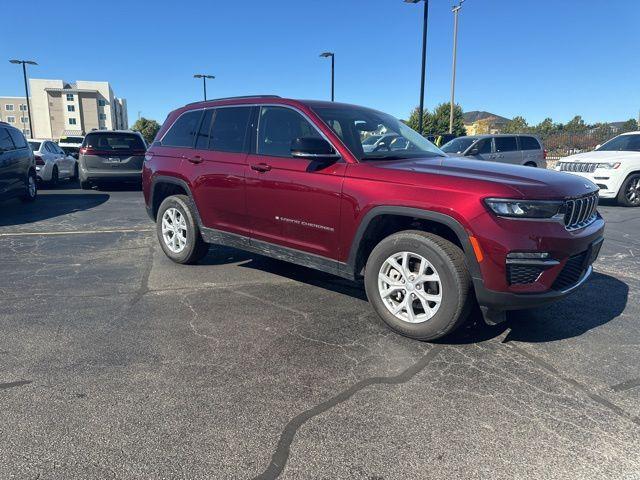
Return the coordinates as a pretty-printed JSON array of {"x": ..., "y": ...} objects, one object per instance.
[
  {"x": 529, "y": 143},
  {"x": 183, "y": 131}
]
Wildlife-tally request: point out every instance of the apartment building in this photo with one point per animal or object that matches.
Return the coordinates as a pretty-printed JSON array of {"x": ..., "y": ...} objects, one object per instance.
[{"x": 60, "y": 108}]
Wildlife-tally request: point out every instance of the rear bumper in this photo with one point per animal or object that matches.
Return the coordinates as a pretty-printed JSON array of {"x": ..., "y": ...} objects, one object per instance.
[{"x": 111, "y": 175}]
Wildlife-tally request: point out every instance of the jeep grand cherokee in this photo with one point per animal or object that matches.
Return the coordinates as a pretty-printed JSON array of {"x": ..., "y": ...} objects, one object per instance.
[{"x": 427, "y": 233}]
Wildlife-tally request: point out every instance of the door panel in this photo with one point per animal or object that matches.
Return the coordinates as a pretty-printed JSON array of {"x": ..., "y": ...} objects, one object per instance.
[
  {"x": 292, "y": 201},
  {"x": 506, "y": 150},
  {"x": 485, "y": 147},
  {"x": 216, "y": 169}
]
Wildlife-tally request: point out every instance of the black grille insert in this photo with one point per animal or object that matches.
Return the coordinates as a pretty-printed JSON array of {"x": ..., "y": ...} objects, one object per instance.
[
  {"x": 572, "y": 272},
  {"x": 523, "y": 274}
]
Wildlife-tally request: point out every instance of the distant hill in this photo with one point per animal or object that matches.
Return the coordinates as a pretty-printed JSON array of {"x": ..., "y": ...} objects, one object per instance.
[{"x": 477, "y": 115}]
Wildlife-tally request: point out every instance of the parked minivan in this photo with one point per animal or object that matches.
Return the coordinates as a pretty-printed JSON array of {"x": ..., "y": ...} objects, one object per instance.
[
  {"x": 111, "y": 156},
  {"x": 516, "y": 149}
]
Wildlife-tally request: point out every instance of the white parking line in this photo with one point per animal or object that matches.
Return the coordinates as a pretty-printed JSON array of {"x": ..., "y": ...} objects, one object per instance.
[{"x": 76, "y": 232}]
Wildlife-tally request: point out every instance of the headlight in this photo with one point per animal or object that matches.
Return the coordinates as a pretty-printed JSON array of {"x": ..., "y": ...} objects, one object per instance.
[
  {"x": 505, "y": 207},
  {"x": 608, "y": 166}
]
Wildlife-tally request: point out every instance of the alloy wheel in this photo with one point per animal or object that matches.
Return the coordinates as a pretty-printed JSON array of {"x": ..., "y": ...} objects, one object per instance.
[
  {"x": 174, "y": 230},
  {"x": 410, "y": 287},
  {"x": 633, "y": 191},
  {"x": 31, "y": 186}
]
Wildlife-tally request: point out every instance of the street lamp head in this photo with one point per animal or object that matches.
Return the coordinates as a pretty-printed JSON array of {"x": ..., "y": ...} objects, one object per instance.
[
  {"x": 27, "y": 62},
  {"x": 327, "y": 54},
  {"x": 412, "y": 1},
  {"x": 199, "y": 75}
]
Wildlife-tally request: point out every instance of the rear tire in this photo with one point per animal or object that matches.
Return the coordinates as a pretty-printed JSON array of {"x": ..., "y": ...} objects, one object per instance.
[
  {"x": 178, "y": 231},
  {"x": 629, "y": 194},
  {"x": 31, "y": 188},
  {"x": 447, "y": 293}
]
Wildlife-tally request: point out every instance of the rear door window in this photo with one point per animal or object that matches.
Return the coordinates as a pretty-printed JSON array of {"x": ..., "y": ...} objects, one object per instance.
[
  {"x": 183, "y": 132},
  {"x": 505, "y": 144},
  {"x": 114, "y": 142},
  {"x": 5, "y": 140},
  {"x": 18, "y": 139},
  {"x": 229, "y": 129},
  {"x": 529, "y": 143}
]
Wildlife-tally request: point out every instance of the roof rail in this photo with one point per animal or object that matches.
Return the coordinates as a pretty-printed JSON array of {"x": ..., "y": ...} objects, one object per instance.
[{"x": 234, "y": 98}]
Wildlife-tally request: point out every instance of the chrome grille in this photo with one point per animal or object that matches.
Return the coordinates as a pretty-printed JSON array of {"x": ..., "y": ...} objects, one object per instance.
[
  {"x": 581, "y": 167},
  {"x": 580, "y": 212}
]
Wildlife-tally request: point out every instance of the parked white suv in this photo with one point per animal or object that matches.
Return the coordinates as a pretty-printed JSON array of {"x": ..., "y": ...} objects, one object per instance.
[{"x": 614, "y": 167}]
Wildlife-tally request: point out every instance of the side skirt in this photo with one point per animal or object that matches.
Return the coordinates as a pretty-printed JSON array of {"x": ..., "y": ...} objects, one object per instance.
[{"x": 278, "y": 252}]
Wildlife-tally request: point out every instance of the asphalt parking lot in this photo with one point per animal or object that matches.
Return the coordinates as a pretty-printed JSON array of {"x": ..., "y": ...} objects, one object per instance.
[{"x": 117, "y": 363}]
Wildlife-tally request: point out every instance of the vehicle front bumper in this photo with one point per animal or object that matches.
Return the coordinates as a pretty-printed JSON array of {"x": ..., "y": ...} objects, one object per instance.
[{"x": 608, "y": 180}]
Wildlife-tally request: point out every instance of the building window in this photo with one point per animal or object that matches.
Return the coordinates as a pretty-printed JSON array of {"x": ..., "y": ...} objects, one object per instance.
[
  {"x": 23, "y": 108},
  {"x": 69, "y": 97},
  {"x": 71, "y": 108},
  {"x": 24, "y": 119},
  {"x": 8, "y": 107},
  {"x": 72, "y": 121},
  {"x": 11, "y": 119},
  {"x": 102, "y": 103},
  {"x": 27, "y": 132},
  {"x": 102, "y": 116}
]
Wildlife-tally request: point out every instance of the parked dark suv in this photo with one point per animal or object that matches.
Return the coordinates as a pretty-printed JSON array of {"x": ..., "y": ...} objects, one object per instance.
[
  {"x": 290, "y": 179},
  {"x": 17, "y": 165},
  {"x": 112, "y": 156}
]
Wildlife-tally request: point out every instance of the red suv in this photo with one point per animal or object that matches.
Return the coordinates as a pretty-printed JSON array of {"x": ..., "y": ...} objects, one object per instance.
[{"x": 428, "y": 233}]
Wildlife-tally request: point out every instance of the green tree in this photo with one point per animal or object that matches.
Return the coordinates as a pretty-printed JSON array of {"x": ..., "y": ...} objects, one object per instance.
[
  {"x": 516, "y": 125},
  {"x": 629, "y": 126},
  {"x": 576, "y": 125},
  {"x": 546, "y": 127},
  {"x": 440, "y": 120},
  {"x": 148, "y": 128},
  {"x": 414, "y": 122}
]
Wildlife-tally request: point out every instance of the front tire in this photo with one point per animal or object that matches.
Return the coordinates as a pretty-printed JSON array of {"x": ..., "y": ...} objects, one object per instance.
[
  {"x": 418, "y": 283},
  {"x": 178, "y": 231},
  {"x": 76, "y": 173},
  {"x": 629, "y": 194},
  {"x": 55, "y": 177}
]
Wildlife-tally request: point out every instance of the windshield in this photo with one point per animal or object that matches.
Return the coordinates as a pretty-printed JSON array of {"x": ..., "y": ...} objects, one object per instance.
[
  {"x": 457, "y": 145},
  {"x": 35, "y": 146},
  {"x": 371, "y": 140},
  {"x": 355, "y": 125},
  {"x": 623, "y": 143}
]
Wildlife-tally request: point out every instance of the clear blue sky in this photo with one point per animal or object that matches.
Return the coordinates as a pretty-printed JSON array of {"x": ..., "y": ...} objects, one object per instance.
[{"x": 535, "y": 58}]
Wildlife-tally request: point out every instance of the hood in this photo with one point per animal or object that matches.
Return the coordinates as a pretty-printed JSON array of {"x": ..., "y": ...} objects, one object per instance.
[
  {"x": 530, "y": 182},
  {"x": 602, "y": 156}
]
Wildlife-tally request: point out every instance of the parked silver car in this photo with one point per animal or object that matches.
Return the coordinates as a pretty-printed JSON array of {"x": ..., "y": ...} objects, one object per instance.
[{"x": 517, "y": 149}]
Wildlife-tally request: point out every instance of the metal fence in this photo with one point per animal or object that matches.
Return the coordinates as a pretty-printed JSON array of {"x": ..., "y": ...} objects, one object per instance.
[{"x": 562, "y": 144}]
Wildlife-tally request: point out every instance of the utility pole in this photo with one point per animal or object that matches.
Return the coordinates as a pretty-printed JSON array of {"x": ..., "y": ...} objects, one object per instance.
[
  {"x": 26, "y": 88},
  {"x": 456, "y": 11}
]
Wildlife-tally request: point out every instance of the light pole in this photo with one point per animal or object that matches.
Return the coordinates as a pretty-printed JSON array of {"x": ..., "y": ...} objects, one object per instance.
[
  {"x": 204, "y": 82},
  {"x": 455, "y": 11},
  {"x": 424, "y": 58},
  {"x": 26, "y": 88},
  {"x": 333, "y": 66}
]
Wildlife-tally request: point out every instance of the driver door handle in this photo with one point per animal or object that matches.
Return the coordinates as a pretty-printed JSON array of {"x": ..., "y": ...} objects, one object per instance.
[
  {"x": 261, "y": 167},
  {"x": 195, "y": 159}
]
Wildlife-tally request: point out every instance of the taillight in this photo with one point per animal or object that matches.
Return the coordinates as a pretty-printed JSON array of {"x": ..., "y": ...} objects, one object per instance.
[
  {"x": 84, "y": 150},
  {"x": 39, "y": 160},
  {"x": 544, "y": 154}
]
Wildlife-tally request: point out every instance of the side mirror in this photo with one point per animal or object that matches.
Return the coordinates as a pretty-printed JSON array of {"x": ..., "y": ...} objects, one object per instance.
[
  {"x": 313, "y": 148},
  {"x": 598, "y": 146},
  {"x": 473, "y": 152}
]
